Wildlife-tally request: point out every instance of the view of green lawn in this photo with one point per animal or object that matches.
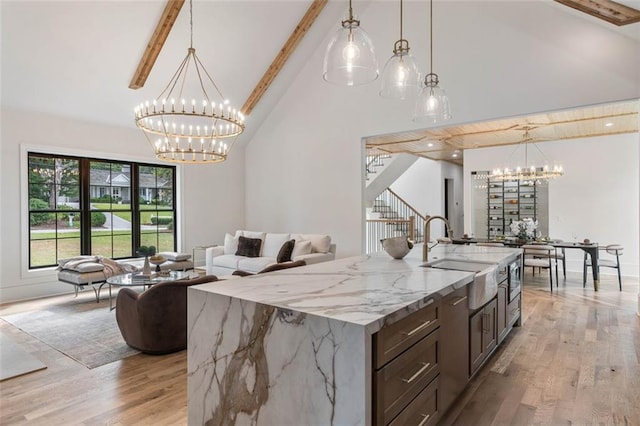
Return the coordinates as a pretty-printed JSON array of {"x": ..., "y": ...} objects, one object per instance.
[
  {"x": 103, "y": 242},
  {"x": 145, "y": 216}
]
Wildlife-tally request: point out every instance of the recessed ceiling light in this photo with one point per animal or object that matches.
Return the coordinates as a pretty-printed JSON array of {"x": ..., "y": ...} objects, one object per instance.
[
  {"x": 430, "y": 144},
  {"x": 455, "y": 155},
  {"x": 609, "y": 124}
]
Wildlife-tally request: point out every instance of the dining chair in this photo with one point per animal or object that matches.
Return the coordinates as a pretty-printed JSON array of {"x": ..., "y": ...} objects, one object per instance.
[
  {"x": 612, "y": 249},
  {"x": 559, "y": 255},
  {"x": 540, "y": 256}
]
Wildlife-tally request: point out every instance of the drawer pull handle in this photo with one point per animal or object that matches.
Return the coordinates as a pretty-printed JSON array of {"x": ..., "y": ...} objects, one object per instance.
[
  {"x": 462, "y": 299},
  {"x": 418, "y": 328},
  {"x": 418, "y": 373},
  {"x": 425, "y": 419}
]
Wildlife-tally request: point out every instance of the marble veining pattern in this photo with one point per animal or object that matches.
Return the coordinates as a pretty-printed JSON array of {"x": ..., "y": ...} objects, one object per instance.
[{"x": 264, "y": 365}]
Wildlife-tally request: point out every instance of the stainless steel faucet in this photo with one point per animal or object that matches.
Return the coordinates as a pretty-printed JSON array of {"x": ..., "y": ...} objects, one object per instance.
[{"x": 427, "y": 234}]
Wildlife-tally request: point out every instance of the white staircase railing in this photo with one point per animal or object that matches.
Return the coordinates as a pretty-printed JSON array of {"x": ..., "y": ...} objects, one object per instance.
[{"x": 396, "y": 218}]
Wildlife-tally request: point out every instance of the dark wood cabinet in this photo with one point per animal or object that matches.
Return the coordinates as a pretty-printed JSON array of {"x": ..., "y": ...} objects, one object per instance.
[
  {"x": 503, "y": 308},
  {"x": 406, "y": 367},
  {"x": 483, "y": 337},
  {"x": 454, "y": 342}
]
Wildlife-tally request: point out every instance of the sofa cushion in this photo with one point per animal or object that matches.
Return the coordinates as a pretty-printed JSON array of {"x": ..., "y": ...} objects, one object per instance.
[
  {"x": 175, "y": 256},
  {"x": 273, "y": 243},
  {"x": 284, "y": 254},
  {"x": 319, "y": 243},
  {"x": 251, "y": 234},
  {"x": 230, "y": 244},
  {"x": 301, "y": 247},
  {"x": 312, "y": 258},
  {"x": 255, "y": 264},
  {"x": 227, "y": 261},
  {"x": 249, "y": 247}
]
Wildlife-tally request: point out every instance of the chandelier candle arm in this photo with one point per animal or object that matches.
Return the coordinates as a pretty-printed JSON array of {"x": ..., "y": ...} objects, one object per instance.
[
  {"x": 181, "y": 134},
  {"x": 531, "y": 173}
]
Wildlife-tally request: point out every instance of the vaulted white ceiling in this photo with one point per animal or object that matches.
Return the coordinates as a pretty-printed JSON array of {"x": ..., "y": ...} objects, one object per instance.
[{"x": 76, "y": 58}]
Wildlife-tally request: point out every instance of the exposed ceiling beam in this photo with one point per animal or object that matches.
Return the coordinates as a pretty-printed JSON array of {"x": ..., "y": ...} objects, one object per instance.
[
  {"x": 610, "y": 11},
  {"x": 168, "y": 18},
  {"x": 283, "y": 55}
]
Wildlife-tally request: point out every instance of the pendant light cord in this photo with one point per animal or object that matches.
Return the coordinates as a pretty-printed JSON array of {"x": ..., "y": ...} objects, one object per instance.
[
  {"x": 431, "y": 35},
  {"x": 401, "y": 20},
  {"x": 191, "y": 21}
]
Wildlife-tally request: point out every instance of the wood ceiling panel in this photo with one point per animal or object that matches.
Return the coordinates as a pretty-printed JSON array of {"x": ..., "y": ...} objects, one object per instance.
[
  {"x": 624, "y": 117},
  {"x": 607, "y": 10}
]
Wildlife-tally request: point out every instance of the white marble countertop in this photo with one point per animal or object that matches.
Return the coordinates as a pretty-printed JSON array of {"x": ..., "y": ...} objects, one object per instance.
[{"x": 364, "y": 290}]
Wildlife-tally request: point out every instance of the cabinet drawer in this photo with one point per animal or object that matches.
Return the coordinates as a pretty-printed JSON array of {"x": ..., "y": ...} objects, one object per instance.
[
  {"x": 405, "y": 377},
  {"x": 513, "y": 310},
  {"x": 396, "y": 338},
  {"x": 423, "y": 411}
]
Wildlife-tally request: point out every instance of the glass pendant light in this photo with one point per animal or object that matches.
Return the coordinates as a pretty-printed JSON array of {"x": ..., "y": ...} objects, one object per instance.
[
  {"x": 433, "y": 104},
  {"x": 350, "y": 59},
  {"x": 400, "y": 76}
]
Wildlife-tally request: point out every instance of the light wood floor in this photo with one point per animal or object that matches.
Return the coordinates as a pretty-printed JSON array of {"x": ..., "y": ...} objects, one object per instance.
[{"x": 575, "y": 360}]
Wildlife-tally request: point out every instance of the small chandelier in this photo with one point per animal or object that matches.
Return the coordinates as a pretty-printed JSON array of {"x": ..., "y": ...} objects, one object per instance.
[
  {"x": 529, "y": 173},
  {"x": 350, "y": 59},
  {"x": 183, "y": 130},
  {"x": 433, "y": 103},
  {"x": 400, "y": 75}
]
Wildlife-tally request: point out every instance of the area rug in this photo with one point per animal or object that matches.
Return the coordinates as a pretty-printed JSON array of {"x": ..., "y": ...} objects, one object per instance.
[
  {"x": 15, "y": 361},
  {"x": 82, "y": 330}
]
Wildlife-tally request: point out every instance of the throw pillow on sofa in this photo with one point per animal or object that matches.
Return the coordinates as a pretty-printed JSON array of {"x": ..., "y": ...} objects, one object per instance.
[
  {"x": 284, "y": 255},
  {"x": 230, "y": 244},
  {"x": 249, "y": 247},
  {"x": 300, "y": 248}
]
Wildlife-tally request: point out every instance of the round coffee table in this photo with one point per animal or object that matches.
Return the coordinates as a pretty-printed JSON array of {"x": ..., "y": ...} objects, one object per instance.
[{"x": 128, "y": 280}]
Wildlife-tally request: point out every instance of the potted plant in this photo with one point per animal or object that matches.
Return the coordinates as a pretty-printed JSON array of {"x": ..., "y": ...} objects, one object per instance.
[{"x": 146, "y": 252}]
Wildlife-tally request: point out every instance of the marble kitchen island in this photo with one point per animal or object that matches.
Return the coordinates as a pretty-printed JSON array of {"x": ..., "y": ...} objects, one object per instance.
[{"x": 298, "y": 346}]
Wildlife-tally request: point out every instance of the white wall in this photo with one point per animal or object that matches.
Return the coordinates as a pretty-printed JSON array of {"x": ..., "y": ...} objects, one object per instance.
[
  {"x": 455, "y": 172},
  {"x": 495, "y": 59},
  {"x": 211, "y": 197},
  {"x": 422, "y": 186},
  {"x": 597, "y": 198}
]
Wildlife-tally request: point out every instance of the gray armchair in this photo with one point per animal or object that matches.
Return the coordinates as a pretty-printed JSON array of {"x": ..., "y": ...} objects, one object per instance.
[{"x": 155, "y": 321}]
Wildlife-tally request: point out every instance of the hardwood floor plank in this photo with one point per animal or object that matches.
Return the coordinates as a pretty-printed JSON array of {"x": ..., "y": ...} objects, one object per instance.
[{"x": 575, "y": 360}]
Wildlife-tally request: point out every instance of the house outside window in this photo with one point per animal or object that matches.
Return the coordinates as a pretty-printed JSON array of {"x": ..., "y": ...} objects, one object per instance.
[{"x": 100, "y": 207}]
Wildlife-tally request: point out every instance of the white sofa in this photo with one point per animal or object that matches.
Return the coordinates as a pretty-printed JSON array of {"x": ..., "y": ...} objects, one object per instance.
[{"x": 312, "y": 248}]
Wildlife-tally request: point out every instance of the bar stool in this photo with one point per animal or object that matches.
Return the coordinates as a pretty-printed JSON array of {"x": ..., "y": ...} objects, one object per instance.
[{"x": 612, "y": 249}]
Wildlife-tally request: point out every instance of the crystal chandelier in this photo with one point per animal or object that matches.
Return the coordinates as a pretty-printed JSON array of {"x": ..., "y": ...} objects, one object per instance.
[
  {"x": 433, "y": 103},
  {"x": 400, "y": 76},
  {"x": 350, "y": 59},
  {"x": 528, "y": 173},
  {"x": 183, "y": 130}
]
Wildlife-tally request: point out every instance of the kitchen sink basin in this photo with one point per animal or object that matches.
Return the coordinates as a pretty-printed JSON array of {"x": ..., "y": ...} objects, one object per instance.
[
  {"x": 458, "y": 265},
  {"x": 485, "y": 283}
]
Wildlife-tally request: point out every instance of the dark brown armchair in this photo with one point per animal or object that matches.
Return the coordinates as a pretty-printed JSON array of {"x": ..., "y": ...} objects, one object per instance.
[{"x": 155, "y": 321}]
